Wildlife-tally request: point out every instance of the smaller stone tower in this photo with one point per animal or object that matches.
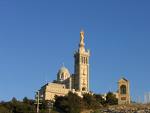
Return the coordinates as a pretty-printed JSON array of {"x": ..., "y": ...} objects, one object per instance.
[{"x": 123, "y": 91}]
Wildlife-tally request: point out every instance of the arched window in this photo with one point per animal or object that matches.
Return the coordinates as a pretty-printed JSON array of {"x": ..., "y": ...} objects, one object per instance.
[
  {"x": 83, "y": 89},
  {"x": 82, "y": 59},
  {"x": 62, "y": 76},
  {"x": 86, "y": 60},
  {"x": 123, "y": 89}
]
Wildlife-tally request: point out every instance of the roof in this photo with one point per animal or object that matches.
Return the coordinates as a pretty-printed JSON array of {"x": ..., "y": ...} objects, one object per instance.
[
  {"x": 63, "y": 69},
  {"x": 123, "y": 78}
]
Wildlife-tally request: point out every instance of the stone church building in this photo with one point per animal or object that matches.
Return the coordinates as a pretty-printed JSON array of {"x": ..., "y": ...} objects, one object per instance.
[{"x": 79, "y": 81}]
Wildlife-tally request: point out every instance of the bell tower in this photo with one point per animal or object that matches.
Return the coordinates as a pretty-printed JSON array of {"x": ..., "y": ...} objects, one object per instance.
[
  {"x": 81, "y": 66},
  {"x": 123, "y": 91}
]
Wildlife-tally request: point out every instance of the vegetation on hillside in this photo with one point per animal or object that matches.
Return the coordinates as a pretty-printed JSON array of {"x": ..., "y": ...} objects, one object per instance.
[{"x": 70, "y": 103}]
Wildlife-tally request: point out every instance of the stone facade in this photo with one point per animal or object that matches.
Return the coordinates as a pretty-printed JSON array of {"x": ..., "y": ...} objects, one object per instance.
[
  {"x": 49, "y": 90},
  {"x": 123, "y": 91},
  {"x": 77, "y": 82}
]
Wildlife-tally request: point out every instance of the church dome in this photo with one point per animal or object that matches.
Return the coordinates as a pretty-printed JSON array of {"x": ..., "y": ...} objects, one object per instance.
[{"x": 63, "y": 74}]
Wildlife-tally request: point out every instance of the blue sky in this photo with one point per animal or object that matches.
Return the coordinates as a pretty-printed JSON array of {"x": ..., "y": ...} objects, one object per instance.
[{"x": 36, "y": 37}]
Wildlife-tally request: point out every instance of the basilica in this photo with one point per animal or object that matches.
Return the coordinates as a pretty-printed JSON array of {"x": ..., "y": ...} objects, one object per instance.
[{"x": 78, "y": 82}]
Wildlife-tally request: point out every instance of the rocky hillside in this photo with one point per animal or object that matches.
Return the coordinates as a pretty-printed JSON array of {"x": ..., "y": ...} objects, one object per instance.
[{"x": 134, "y": 108}]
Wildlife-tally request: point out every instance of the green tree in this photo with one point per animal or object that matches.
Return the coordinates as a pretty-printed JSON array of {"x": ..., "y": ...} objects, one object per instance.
[
  {"x": 14, "y": 100},
  {"x": 26, "y": 100},
  {"x": 90, "y": 101},
  {"x": 71, "y": 103},
  {"x": 99, "y": 99},
  {"x": 4, "y": 109},
  {"x": 15, "y": 106},
  {"x": 111, "y": 99}
]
